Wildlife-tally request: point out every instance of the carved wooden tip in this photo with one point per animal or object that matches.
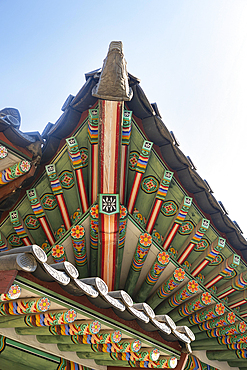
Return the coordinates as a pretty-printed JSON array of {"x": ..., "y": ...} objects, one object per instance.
[{"x": 116, "y": 45}]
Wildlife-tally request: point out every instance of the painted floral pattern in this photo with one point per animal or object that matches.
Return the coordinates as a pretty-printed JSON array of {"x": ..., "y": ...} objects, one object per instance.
[
  {"x": 14, "y": 292},
  {"x": 206, "y": 298},
  {"x": 134, "y": 156},
  {"x": 139, "y": 217},
  {"x": 156, "y": 235},
  {"x": 136, "y": 345},
  {"x": 44, "y": 304},
  {"x": 3, "y": 152},
  {"x": 116, "y": 336},
  {"x": 123, "y": 212},
  {"x": 242, "y": 326},
  {"x": 192, "y": 286},
  {"x": 25, "y": 166},
  {"x": 155, "y": 354},
  {"x": 70, "y": 315},
  {"x": 169, "y": 208},
  {"x": 231, "y": 317},
  {"x": 94, "y": 226},
  {"x": 163, "y": 258},
  {"x": 220, "y": 309},
  {"x": 149, "y": 184},
  {"x": 94, "y": 211},
  {"x": 77, "y": 232},
  {"x": 179, "y": 274},
  {"x": 60, "y": 231},
  {"x": 95, "y": 327},
  {"x": 57, "y": 251},
  {"x": 145, "y": 239}
]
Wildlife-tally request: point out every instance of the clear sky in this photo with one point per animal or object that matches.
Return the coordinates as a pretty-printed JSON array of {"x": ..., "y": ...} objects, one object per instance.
[{"x": 191, "y": 57}]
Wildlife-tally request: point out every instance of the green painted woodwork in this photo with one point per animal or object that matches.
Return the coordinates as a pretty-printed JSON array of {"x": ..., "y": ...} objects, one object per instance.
[
  {"x": 22, "y": 357},
  {"x": 94, "y": 355},
  {"x": 75, "y": 347},
  {"x": 111, "y": 363},
  {"x": 12, "y": 322},
  {"x": 210, "y": 348},
  {"x": 8, "y": 364},
  {"x": 64, "y": 339},
  {"x": 143, "y": 246},
  {"x": 206, "y": 343},
  {"x": 242, "y": 364},
  {"x": 222, "y": 355},
  {"x": 159, "y": 265},
  {"x": 171, "y": 282},
  {"x": 32, "y": 287},
  {"x": 49, "y": 205},
  {"x": 25, "y": 330},
  {"x": 154, "y": 173},
  {"x": 178, "y": 298}
]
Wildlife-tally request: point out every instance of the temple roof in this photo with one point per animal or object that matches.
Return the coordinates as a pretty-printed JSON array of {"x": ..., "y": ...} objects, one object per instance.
[{"x": 115, "y": 219}]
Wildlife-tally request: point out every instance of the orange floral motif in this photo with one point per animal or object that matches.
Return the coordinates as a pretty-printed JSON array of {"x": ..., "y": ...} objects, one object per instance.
[
  {"x": 163, "y": 258},
  {"x": 192, "y": 286},
  {"x": 123, "y": 211},
  {"x": 231, "y": 317},
  {"x": 95, "y": 211},
  {"x": 242, "y": 326},
  {"x": 179, "y": 274},
  {"x": 77, "y": 232},
  {"x": 206, "y": 298},
  {"x": 220, "y": 309},
  {"x": 145, "y": 239},
  {"x": 57, "y": 251}
]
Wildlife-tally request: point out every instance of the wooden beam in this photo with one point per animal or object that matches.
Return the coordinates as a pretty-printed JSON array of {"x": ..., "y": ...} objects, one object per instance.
[
  {"x": 160, "y": 197},
  {"x": 6, "y": 280},
  {"x": 186, "y": 292},
  {"x": 207, "y": 256},
  {"x": 193, "y": 239},
  {"x": 177, "y": 221},
  {"x": 182, "y": 361},
  {"x": 223, "y": 270},
  {"x": 141, "y": 252},
  {"x": 227, "y": 355},
  {"x": 159, "y": 265},
  {"x": 215, "y": 310},
  {"x": 200, "y": 301},
  {"x": 172, "y": 282}
]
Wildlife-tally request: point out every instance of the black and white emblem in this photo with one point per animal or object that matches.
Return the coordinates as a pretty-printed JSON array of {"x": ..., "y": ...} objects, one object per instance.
[{"x": 109, "y": 203}]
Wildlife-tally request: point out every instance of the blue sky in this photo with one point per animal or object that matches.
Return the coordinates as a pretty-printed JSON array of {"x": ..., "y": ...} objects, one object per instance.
[{"x": 190, "y": 55}]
